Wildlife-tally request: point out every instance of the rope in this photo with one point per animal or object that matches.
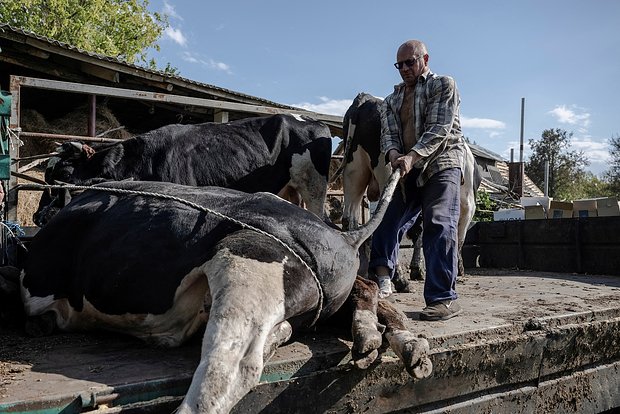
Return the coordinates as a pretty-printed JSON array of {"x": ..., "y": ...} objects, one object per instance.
[
  {"x": 14, "y": 137},
  {"x": 206, "y": 210},
  {"x": 13, "y": 228}
]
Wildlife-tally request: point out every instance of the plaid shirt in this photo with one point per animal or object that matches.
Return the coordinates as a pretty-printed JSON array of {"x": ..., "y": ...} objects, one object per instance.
[{"x": 437, "y": 126}]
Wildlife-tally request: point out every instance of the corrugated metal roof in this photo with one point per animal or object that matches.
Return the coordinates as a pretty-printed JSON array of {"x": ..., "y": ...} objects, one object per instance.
[{"x": 110, "y": 59}]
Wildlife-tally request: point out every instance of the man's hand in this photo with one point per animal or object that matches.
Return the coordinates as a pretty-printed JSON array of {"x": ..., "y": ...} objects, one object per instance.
[{"x": 404, "y": 162}]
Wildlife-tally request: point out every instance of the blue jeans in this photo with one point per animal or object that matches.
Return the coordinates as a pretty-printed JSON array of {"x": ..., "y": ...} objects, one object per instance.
[{"x": 438, "y": 200}]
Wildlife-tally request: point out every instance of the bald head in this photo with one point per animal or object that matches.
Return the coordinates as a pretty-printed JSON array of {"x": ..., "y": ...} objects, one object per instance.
[{"x": 414, "y": 47}]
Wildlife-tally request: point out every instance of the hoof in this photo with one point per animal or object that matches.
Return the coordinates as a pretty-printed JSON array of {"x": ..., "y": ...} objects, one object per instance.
[
  {"x": 422, "y": 370},
  {"x": 413, "y": 352},
  {"x": 366, "y": 332},
  {"x": 363, "y": 361}
]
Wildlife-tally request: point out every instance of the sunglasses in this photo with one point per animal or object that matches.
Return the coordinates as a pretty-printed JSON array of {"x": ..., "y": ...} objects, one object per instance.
[{"x": 408, "y": 62}]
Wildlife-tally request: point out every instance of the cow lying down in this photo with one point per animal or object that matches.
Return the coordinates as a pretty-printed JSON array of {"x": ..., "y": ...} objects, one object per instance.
[{"x": 160, "y": 268}]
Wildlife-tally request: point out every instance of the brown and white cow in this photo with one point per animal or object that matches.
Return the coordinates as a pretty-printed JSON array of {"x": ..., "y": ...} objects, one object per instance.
[
  {"x": 252, "y": 267},
  {"x": 365, "y": 169}
]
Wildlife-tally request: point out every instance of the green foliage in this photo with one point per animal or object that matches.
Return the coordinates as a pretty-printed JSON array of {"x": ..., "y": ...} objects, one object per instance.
[
  {"x": 121, "y": 28},
  {"x": 586, "y": 185},
  {"x": 565, "y": 166},
  {"x": 612, "y": 176},
  {"x": 168, "y": 70},
  {"x": 484, "y": 207}
]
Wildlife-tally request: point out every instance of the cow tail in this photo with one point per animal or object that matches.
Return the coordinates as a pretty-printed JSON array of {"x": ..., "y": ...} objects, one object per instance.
[{"x": 356, "y": 237}]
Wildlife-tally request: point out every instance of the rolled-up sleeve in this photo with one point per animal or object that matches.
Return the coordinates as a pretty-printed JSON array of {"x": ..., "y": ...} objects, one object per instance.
[
  {"x": 442, "y": 107},
  {"x": 390, "y": 138}
]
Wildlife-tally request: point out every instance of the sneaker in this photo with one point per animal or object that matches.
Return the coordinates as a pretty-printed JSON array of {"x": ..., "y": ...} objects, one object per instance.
[
  {"x": 385, "y": 286},
  {"x": 440, "y": 311}
]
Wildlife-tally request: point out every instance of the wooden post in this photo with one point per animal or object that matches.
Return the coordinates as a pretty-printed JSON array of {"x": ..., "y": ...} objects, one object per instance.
[
  {"x": 220, "y": 117},
  {"x": 92, "y": 112},
  {"x": 11, "y": 199}
]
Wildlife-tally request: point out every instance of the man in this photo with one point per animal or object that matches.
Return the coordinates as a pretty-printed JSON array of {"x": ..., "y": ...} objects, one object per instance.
[{"x": 421, "y": 135}]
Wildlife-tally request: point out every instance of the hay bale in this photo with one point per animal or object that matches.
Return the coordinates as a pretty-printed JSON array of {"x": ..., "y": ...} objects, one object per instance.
[
  {"x": 28, "y": 201},
  {"x": 72, "y": 123}
]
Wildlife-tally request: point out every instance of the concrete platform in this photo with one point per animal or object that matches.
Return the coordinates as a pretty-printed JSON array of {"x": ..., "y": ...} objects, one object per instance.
[{"x": 526, "y": 342}]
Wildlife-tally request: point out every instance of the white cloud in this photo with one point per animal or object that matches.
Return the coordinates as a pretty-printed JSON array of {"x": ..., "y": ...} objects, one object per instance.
[
  {"x": 326, "y": 106},
  {"x": 176, "y": 35},
  {"x": 189, "y": 57},
  {"x": 572, "y": 116},
  {"x": 208, "y": 63},
  {"x": 218, "y": 65},
  {"x": 482, "y": 123},
  {"x": 170, "y": 11},
  {"x": 595, "y": 151}
]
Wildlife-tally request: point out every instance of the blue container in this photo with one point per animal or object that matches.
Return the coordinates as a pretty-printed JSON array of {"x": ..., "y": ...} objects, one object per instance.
[{"x": 5, "y": 103}]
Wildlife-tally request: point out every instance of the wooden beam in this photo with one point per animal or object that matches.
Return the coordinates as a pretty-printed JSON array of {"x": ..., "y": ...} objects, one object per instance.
[
  {"x": 99, "y": 72},
  {"x": 44, "y": 67},
  {"x": 160, "y": 97},
  {"x": 36, "y": 52}
]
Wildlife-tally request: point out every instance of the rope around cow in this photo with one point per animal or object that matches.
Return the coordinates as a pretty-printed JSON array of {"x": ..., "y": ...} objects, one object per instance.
[{"x": 199, "y": 208}]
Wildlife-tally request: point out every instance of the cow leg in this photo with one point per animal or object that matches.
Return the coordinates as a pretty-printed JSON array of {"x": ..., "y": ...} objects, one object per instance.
[
  {"x": 412, "y": 350},
  {"x": 365, "y": 328},
  {"x": 470, "y": 183},
  {"x": 311, "y": 185},
  {"x": 355, "y": 178},
  {"x": 417, "y": 267},
  {"x": 461, "y": 266},
  {"x": 245, "y": 324}
]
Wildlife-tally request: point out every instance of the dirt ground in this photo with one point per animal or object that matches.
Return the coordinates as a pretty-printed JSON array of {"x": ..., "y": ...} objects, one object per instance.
[{"x": 496, "y": 302}]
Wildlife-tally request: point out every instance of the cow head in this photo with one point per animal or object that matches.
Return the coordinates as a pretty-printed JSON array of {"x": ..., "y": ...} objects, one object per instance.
[{"x": 60, "y": 169}]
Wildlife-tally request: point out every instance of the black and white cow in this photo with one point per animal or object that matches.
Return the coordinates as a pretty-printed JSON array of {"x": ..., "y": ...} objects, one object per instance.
[
  {"x": 161, "y": 264},
  {"x": 365, "y": 169},
  {"x": 280, "y": 154}
]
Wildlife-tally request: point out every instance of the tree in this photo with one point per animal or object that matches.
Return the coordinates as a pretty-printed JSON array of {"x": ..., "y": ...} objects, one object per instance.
[
  {"x": 612, "y": 176},
  {"x": 565, "y": 166},
  {"x": 121, "y": 28},
  {"x": 587, "y": 185}
]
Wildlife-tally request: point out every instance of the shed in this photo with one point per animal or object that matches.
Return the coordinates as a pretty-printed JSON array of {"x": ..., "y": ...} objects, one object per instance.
[{"x": 51, "y": 81}]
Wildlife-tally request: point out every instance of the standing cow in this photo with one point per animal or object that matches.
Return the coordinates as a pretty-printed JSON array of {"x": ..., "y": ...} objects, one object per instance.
[
  {"x": 281, "y": 154},
  {"x": 251, "y": 266},
  {"x": 365, "y": 168}
]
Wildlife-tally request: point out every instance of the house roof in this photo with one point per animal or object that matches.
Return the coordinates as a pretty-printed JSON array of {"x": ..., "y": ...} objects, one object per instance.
[
  {"x": 481, "y": 152},
  {"x": 496, "y": 184}
]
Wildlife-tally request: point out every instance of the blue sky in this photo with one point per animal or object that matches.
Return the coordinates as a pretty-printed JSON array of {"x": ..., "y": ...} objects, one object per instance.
[{"x": 562, "y": 56}]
